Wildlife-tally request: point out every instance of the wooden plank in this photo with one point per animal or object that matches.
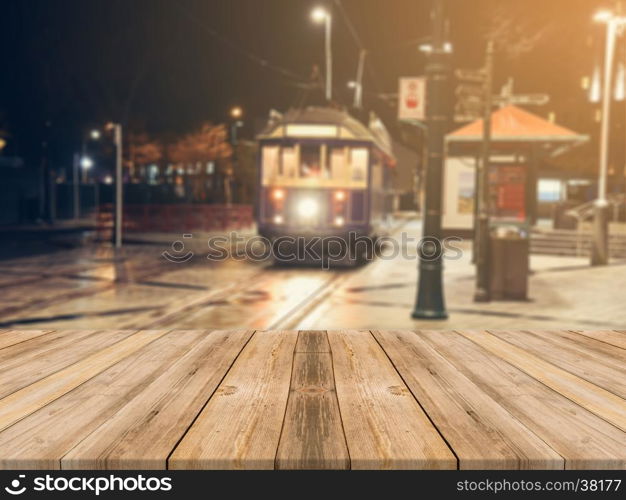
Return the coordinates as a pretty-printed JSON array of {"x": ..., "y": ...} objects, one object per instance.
[
  {"x": 143, "y": 433},
  {"x": 41, "y": 439},
  {"x": 612, "y": 337},
  {"x": 584, "y": 440},
  {"x": 312, "y": 436},
  {"x": 603, "y": 403},
  {"x": 482, "y": 434},
  {"x": 25, "y": 363},
  {"x": 312, "y": 341},
  {"x": 12, "y": 337},
  {"x": 21, "y": 403},
  {"x": 586, "y": 358},
  {"x": 384, "y": 425},
  {"x": 241, "y": 424}
]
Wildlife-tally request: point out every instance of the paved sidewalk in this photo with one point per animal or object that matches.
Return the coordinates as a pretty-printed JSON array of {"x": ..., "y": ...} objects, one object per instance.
[{"x": 564, "y": 292}]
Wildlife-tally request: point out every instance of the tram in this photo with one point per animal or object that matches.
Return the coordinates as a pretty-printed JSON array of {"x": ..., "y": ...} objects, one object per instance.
[{"x": 323, "y": 173}]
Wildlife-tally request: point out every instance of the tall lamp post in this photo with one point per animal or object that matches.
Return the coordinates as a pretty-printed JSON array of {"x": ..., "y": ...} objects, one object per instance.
[
  {"x": 116, "y": 128},
  {"x": 600, "y": 245},
  {"x": 321, "y": 15},
  {"x": 430, "y": 303}
]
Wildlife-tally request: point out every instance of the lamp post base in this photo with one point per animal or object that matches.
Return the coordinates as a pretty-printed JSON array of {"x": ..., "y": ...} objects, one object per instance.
[
  {"x": 600, "y": 242},
  {"x": 428, "y": 314}
]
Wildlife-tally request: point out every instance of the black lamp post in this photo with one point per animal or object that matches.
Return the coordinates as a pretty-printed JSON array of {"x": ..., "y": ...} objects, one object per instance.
[{"x": 430, "y": 303}]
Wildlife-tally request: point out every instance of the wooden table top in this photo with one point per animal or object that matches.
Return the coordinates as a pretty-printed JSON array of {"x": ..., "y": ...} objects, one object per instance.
[{"x": 312, "y": 399}]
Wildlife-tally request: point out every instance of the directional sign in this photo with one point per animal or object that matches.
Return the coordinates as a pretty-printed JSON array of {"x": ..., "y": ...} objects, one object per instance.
[
  {"x": 465, "y": 89},
  {"x": 470, "y": 75},
  {"x": 528, "y": 99},
  {"x": 412, "y": 98}
]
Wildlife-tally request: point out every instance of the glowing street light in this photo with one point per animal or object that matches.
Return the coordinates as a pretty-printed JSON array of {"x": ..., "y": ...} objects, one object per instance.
[
  {"x": 321, "y": 15},
  {"x": 614, "y": 25},
  {"x": 95, "y": 134},
  {"x": 86, "y": 163},
  {"x": 236, "y": 112}
]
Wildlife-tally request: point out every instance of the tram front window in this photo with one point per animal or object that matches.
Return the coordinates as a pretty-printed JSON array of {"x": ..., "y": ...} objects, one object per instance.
[{"x": 310, "y": 162}]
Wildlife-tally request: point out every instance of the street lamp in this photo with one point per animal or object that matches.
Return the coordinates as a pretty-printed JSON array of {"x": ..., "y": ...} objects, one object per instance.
[
  {"x": 599, "y": 253},
  {"x": 86, "y": 162},
  {"x": 95, "y": 134},
  {"x": 236, "y": 112},
  {"x": 116, "y": 128},
  {"x": 321, "y": 15}
]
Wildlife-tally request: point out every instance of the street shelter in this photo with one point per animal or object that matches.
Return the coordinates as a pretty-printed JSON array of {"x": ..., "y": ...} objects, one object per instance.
[{"x": 520, "y": 141}]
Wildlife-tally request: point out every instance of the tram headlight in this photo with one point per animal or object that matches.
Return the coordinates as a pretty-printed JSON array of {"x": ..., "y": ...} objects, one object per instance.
[{"x": 308, "y": 208}]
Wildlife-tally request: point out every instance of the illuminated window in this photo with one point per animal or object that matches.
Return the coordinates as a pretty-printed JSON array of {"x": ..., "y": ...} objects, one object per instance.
[
  {"x": 289, "y": 162},
  {"x": 270, "y": 163},
  {"x": 549, "y": 190},
  {"x": 311, "y": 162},
  {"x": 358, "y": 164},
  {"x": 338, "y": 164}
]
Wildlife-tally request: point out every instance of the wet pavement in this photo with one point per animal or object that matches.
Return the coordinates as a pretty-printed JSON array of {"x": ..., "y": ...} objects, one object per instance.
[{"x": 95, "y": 287}]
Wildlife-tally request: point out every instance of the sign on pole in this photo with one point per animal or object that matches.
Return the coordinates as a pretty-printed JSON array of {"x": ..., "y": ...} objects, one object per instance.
[{"x": 412, "y": 99}]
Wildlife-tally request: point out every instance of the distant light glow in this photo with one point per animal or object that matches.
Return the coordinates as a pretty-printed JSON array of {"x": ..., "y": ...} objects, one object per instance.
[
  {"x": 278, "y": 194},
  {"x": 339, "y": 221},
  {"x": 236, "y": 112},
  {"x": 95, "y": 134},
  {"x": 595, "y": 91},
  {"x": 603, "y": 16},
  {"x": 427, "y": 48},
  {"x": 340, "y": 195},
  {"x": 108, "y": 179},
  {"x": 319, "y": 14},
  {"x": 86, "y": 162},
  {"x": 278, "y": 219},
  {"x": 308, "y": 208}
]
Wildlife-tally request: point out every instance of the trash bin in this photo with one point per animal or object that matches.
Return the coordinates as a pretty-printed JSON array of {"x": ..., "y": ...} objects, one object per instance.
[{"x": 509, "y": 263}]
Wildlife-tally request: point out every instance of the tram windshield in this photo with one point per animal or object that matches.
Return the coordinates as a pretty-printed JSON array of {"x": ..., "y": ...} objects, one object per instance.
[{"x": 315, "y": 164}]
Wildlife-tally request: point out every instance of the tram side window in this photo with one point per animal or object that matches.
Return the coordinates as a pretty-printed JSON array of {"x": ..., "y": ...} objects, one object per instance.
[
  {"x": 338, "y": 164},
  {"x": 289, "y": 162},
  {"x": 270, "y": 163},
  {"x": 311, "y": 162},
  {"x": 358, "y": 164}
]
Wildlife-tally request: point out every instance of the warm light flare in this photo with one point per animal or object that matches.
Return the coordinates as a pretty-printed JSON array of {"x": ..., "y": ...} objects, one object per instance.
[
  {"x": 319, "y": 14},
  {"x": 278, "y": 194},
  {"x": 602, "y": 16}
]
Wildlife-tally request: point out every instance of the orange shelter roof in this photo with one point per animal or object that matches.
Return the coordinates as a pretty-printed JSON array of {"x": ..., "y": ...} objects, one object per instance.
[{"x": 511, "y": 123}]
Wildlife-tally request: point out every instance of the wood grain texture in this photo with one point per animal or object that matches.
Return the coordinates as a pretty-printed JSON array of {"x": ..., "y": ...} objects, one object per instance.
[
  {"x": 21, "y": 403},
  {"x": 42, "y": 439},
  {"x": 241, "y": 424},
  {"x": 12, "y": 337},
  {"x": 384, "y": 425},
  {"x": 584, "y": 440},
  {"x": 586, "y": 358},
  {"x": 312, "y": 436},
  {"x": 601, "y": 402},
  {"x": 482, "y": 433},
  {"x": 145, "y": 431},
  {"x": 611, "y": 337},
  {"x": 26, "y": 362}
]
